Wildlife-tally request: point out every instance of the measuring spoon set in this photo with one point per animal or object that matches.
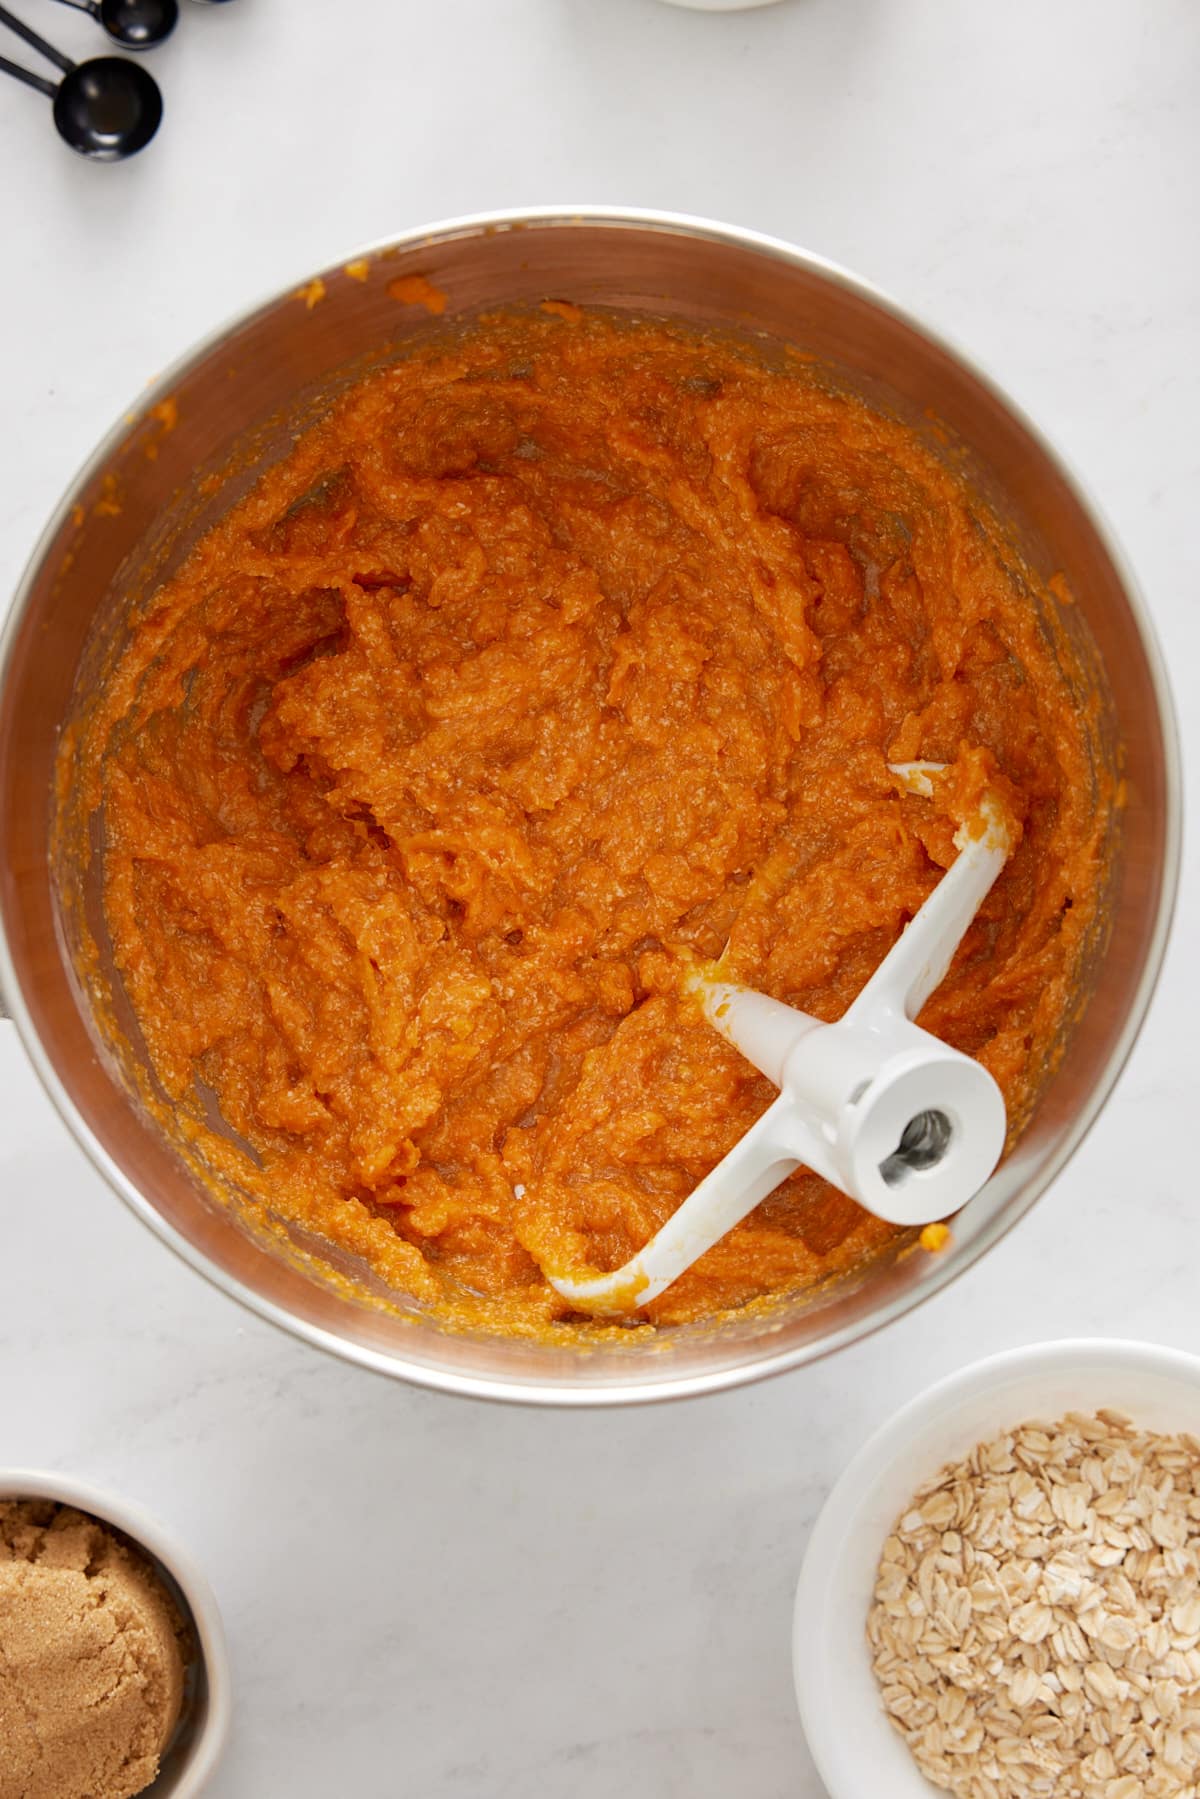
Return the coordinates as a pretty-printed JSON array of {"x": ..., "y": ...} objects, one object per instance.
[{"x": 108, "y": 107}]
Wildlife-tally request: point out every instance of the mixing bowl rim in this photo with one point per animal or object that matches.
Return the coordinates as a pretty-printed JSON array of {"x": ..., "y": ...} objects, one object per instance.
[{"x": 539, "y": 1390}]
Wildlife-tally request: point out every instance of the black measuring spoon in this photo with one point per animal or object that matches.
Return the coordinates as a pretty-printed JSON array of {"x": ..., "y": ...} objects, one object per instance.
[
  {"x": 106, "y": 108},
  {"x": 136, "y": 24}
]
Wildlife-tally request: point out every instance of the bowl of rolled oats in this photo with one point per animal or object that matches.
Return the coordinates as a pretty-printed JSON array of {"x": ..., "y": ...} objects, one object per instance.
[{"x": 1001, "y": 1596}]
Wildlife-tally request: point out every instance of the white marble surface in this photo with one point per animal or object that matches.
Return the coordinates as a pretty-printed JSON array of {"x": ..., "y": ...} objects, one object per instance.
[{"x": 427, "y": 1597}]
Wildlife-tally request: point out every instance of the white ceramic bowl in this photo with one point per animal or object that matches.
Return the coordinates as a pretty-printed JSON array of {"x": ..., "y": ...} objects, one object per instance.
[
  {"x": 199, "y": 1740},
  {"x": 856, "y": 1749}
]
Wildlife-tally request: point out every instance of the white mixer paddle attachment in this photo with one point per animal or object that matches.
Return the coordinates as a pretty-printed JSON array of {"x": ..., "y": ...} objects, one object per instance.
[{"x": 890, "y": 1114}]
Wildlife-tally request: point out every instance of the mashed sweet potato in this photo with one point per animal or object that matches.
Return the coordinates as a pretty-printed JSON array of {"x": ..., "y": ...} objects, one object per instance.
[{"x": 564, "y": 650}]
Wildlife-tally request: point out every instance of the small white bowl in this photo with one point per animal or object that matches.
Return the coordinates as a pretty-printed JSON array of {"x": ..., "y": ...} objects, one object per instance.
[
  {"x": 856, "y": 1750},
  {"x": 200, "y": 1737}
]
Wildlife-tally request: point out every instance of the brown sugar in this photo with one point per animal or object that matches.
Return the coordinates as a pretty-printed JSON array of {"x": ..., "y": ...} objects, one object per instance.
[{"x": 91, "y": 1659}]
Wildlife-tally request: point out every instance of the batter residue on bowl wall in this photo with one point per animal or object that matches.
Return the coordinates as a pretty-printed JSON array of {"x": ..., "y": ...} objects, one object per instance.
[{"x": 564, "y": 650}]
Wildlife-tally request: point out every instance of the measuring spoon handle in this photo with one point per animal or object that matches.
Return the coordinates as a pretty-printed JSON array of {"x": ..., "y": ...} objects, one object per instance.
[
  {"x": 35, "y": 43},
  {"x": 28, "y": 77}
]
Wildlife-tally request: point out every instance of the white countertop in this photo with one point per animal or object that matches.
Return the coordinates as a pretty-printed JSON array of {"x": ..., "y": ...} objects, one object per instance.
[{"x": 436, "y": 1598}]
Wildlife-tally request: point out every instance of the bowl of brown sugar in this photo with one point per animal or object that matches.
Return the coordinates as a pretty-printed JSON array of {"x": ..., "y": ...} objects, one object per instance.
[{"x": 114, "y": 1679}]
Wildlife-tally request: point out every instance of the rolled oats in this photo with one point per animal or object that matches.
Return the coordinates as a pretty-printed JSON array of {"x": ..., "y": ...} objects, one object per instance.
[{"x": 1036, "y": 1624}]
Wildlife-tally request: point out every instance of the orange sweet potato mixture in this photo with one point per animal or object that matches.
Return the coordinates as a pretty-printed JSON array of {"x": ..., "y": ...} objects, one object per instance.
[{"x": 563, "y": 651}]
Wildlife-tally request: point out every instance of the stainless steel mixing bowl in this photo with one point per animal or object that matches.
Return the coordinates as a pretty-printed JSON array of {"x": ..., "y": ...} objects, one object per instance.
[{"x": 132, "y": 513}]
